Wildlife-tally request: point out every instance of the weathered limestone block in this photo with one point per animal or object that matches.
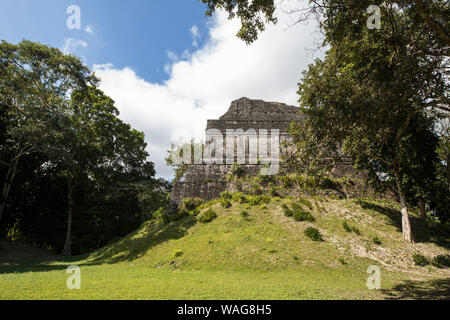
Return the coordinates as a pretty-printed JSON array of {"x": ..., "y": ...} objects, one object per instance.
[{"x": 207, "y": 181}]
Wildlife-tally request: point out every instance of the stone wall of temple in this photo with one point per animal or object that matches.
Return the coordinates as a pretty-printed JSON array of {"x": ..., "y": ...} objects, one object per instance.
[{"x": 246, "y": 117}]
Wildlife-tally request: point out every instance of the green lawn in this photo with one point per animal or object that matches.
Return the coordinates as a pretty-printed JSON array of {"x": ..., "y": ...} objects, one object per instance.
[
  {"x": 128, "y": 281},
  {"x": 263, "y": 256}
]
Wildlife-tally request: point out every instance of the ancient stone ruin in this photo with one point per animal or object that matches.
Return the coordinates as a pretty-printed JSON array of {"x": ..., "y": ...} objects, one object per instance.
[{"x": 245, "y": 118}]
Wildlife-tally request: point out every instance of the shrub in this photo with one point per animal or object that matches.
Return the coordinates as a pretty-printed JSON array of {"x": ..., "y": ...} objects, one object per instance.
[
  {"x": 346, "y": 226},
  {"x": 257, "y": 190},
  {"x": 376, "y": 240},
  {"x": 306, "y": 203},
  {"x": 242, "y": 199},
  {"x": 226, "y": 203},
  {"x": 349, "y": 228},
  {"x": 178, "y": 253},
  {"x": 237, "y": 170},
  {"x": 301, "y": 215},
  {"x": 190, "y": 205},
  {"x": 267, "y": 179},
  {"x": 166, "y": 218},
  {"x": 159, "y": 214},
  {"x": 305, "y": 182},
  {"x": 274, "y": 192},
  {"x": 288, "y": 212},
  {"x": 244, "y": 214},
  {"x": 287, "y": 182},
  {"x": 226, "y": 195},
  {"x": 342, "y": 261},
  {"x": 229, "y": 177},
  {"x": 420, "y": 260},
  {"x": 207, "y": 216},
  {"x": 356, "y": 230},
  {"x": 257, "y": 200},
  {"x": 441, "y": 261},
  {"x": 313, "y": 234}
]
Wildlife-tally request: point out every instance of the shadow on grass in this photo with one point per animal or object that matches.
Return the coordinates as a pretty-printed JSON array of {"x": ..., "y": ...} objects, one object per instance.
[
  {"x": 429, "y": 290},
  {"x": 129, "y": 248},
  {"x": 138, "y": 243},
  {"x": 423, "y": 231}
]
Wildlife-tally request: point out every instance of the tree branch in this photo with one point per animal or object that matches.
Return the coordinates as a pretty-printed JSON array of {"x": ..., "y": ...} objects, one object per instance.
[{"x": 436, "y": 26}]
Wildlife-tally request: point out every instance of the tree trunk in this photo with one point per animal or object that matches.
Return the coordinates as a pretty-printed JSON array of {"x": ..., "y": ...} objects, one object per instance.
[
  {"x": 67, "y": 251},
  {"x": 422, "y": 209},
  {"x": 11, "y": 174},
  {"x": 448, "y": 171},
  {"x": 406, "y": 225}
]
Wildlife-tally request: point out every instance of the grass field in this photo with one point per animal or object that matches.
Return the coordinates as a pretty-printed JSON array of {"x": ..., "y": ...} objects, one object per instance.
[{"x": 264, "y": 255}]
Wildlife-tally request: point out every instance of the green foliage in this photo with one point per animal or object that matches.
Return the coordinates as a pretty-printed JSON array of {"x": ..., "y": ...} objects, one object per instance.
[
  {"x": 226, "y": 203},
  {"x": 356, "y": 101},
  {"x": 258, "y": 200},
  {"x": 376, "y": 240},
  {"x": 168, "y": 218},
  {"x": 244, "y": 214},
  {"x": 190, "y": 205},
  {"x": 441, "y": 261},
  {"x": 420, "y": 260},
  {"x": 346, "y": 226},
  {"x": 306, "y": 203},
  {"x": 178, "y": 253},
  {"x": 241, "y": 198},
  {"x": 226, "y": 195},
  {"x": 286, "y": 182},
  {"x": 349, "y": 228},
  {"x": 253, "y": 15},
  {"x": 237, "y": 171},
  {"x": 313, "y": 234},
  {"x": 273, "y": 192},
  {"x": 73, "y": 153},
  {"x": 207, "y": 216},
  {"x": 356, "y": 230},
  {"x": 266, "y": 179},
  {"x": 287, "y": 211},
  {"x": 301, "y": 215}
]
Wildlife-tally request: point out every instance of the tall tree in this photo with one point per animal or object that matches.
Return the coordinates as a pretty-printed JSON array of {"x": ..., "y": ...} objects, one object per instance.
[
  {"x": 368, "y": 95},
  {"x": 95, "y": 144},
  {"x": 35, "y": 81}
]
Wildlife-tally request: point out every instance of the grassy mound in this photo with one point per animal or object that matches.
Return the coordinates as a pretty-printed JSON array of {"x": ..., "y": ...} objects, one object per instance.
[{"x": 262, "y": 254}]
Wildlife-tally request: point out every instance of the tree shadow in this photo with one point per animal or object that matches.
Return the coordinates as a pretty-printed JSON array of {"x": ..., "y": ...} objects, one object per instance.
[
  {"x": 428, "y": 290},
  {"x": 129, "y": 248},
  {"x": 422, "y": 230},
  {"x": 138, "y": 243}
]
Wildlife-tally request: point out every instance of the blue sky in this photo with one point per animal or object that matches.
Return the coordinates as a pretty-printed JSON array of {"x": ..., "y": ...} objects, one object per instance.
[
  {"x": 166, "y": 65},
  {"x": 135, "y": 33}
]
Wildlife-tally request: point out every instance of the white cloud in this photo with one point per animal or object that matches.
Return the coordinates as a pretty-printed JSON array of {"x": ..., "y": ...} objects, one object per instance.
[
  {"x": 72, "y": 45},
  {"x": 195, "y": 35},
  {"x": 89, "y": 29},
  {"x": 203, "y": 83}
]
